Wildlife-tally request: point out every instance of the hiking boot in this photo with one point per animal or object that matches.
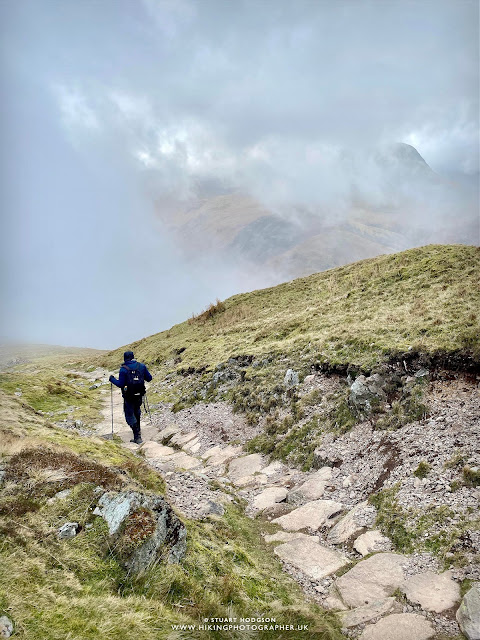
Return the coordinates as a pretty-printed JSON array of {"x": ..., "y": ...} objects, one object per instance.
[{"x": 137, "y": 440}]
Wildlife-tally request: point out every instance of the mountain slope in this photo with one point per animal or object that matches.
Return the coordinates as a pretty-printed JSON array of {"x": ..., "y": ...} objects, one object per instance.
[
  {"x": 424, "y": 299},
  {"x": 386, "y": 199}
]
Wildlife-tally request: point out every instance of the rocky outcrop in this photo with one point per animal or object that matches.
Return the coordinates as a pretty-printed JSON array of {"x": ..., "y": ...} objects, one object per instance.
[
  {"x": 468, "y": 614},
  {"x": 144, "y": 526}
]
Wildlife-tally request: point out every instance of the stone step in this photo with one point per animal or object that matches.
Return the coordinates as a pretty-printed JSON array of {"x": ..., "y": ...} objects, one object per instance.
[
  {"x": 372, "y": 579},
  {"x": 313, "y": 559},
  {"x": 310, "y": 516},
  {"x": 400, "y": 626}
]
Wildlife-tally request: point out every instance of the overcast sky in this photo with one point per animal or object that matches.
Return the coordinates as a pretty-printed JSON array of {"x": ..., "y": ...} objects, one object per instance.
[{"x": 110, "y": 104}]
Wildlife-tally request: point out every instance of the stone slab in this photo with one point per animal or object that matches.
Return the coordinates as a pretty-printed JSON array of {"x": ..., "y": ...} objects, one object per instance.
[
  {"x": 310, "y": 516},
  {"x": 182, "y": 439},
  {"x": 347, "y": 527},
  {"x": 372, "y": 579},
  {"x": 400, "y": 626},
  {"x": 313, "y": 559},
  {"x": 371, "y": 541},
  {"x": 285, "y": 536},
  {"x": 273, "y": 468},
  {"x": 268, "y": 497},
  {"x": 433, "y": 592},
  {"x": 245, "y": 466},
  {"x": 220, "y": 455},
  {"x": 368, "y": 612},
  {"x": 167, "y": 432},
  {"x": 311, "y": 489},
  {"x": 182, "y": 460},
  {"x": 153, "y": 449}
]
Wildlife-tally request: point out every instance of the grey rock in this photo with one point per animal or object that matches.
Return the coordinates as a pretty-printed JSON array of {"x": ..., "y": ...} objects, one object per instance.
[
  {"x": 169, "y": 531},
  {"x": 311, "y": 489},
  {"x": 61, "y": 495},
  {"x": 349, "y": 526},
  {"x": 432, "y": 592},
  {"x": 269, "y": 497},
  {"x": 310, "y": 516},
  {"x": 275, "y": 511},
  {"x": 291, "y": 379},
  {"x": 468, "y": 614},
  {"x": 400, "y": 626},
  {"x": 212, "y": 508},
  {"x": 371, "y": 541},
  {"x": 422, "y": 373},
  {"x": 68, "y": 530},
  {"x": 372, "y": 579},
  {"x": 6, "y": 627},
  {"x": 313, "y": 559},
  {"x": 366, "y": 391},
  {"x": 363, "y": 614}
]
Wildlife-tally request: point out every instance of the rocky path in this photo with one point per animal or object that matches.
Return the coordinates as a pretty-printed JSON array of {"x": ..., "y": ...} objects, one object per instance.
[{"x": 326, "y": 537}]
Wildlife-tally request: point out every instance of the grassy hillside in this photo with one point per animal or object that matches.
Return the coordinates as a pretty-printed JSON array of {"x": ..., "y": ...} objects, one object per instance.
[
  {"x": 77, "y": 588},
  {"x": 424, "y": 299}
]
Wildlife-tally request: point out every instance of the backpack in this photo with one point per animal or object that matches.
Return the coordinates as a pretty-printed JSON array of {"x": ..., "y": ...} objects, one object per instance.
[{"x": 135, "y": 387}]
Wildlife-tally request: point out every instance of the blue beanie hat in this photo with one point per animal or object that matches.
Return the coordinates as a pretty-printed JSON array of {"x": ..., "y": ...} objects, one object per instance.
[{"x": 128, "y": 355}]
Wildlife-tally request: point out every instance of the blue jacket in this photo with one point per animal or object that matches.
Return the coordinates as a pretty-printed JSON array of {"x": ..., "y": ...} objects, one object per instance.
[{"x": 122, "y": 376}]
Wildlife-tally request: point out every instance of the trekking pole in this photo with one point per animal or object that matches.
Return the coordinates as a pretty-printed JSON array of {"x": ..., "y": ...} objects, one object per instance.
[
  {"x": 111, "y": 404},
  {"x": 147, "y": 406}
]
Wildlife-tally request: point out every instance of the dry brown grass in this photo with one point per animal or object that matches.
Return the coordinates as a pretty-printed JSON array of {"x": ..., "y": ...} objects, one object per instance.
[{"x": 210, "y": 312}]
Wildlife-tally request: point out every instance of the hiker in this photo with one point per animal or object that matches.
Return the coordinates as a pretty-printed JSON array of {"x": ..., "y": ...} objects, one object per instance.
[{"x": 131, "y": 381}]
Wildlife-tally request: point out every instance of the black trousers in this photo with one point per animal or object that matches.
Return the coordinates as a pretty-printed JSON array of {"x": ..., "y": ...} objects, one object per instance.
[{"x": 132, "y": 410}]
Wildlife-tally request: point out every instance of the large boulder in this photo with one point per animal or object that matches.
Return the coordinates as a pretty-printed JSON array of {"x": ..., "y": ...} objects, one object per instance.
[
  {"x": 144, "y": 527},
  {"x": 433, "y": 592},
  {"x": 372, "y": 579},
  {"x": 468, "y": 614}
]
